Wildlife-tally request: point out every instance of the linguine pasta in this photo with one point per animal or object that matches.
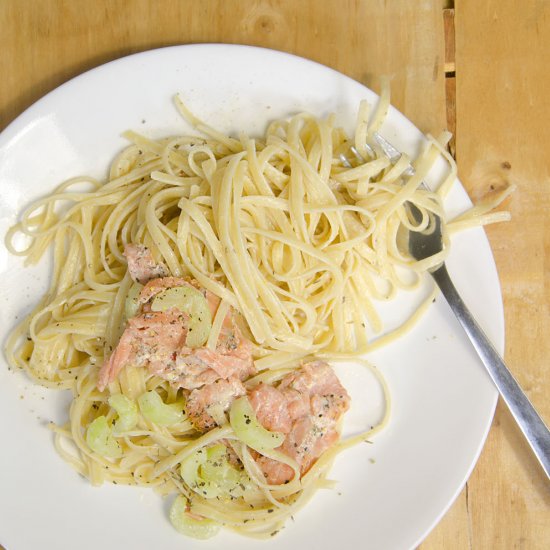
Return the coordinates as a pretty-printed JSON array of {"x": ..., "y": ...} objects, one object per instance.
[{"x": 299, "y": 246}]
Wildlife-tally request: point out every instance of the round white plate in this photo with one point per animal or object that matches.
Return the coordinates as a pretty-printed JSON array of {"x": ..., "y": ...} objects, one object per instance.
[{"x": 390, "y": 493}]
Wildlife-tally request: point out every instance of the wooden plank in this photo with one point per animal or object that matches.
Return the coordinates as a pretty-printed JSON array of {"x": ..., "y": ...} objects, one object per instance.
[
  {"x": 503, "y": 135},
  {"x": 55, "y": 40}
]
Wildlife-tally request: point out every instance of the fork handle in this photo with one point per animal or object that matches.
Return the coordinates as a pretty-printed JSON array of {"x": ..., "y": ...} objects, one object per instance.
[{"x": 529, "y": 421}]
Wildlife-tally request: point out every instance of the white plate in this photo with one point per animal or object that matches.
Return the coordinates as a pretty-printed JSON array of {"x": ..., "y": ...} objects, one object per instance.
[{"x": 443, "y": 400}]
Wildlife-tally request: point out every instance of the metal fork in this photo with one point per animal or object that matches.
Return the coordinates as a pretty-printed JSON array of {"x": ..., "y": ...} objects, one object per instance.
[
  {"x": 426, "y": 243},
  {"x": 389, "y": 150}
]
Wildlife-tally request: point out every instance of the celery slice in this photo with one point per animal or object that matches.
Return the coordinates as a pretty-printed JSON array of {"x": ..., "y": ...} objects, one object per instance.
[
  {"x": 190, "y": 473},
  {"x": 191, "y": 526},
  {"x": 127, "y": 411},
  {"x": 191, "y": 301},
  {"x": 154, "y": 409},
  {"x": 217, "y": 469},
  {"x": 249, "y": 430},
  {"x": 101, "y": 440},
  {"x": 208, "y": 472},
  {"x": 131, "y": 304}
]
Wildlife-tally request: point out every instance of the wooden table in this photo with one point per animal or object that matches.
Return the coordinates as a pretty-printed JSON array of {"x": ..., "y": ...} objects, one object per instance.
[{"x": 488, "y": 81}]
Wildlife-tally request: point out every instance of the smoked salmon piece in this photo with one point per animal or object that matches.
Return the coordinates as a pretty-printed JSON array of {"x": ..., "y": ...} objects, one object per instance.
[
  {"x": 157, "y": 341},
  {"x": 203, "y": 404},
  {"x": 271, "y": 408},
  {"x": 150, "y": 340},
  {"x": 306, "y": 405},
  {"x": 141, "y": 264}
]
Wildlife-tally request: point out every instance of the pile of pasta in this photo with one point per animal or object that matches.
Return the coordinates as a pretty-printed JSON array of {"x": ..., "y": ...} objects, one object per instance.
[{"x": 300, "y": 232}]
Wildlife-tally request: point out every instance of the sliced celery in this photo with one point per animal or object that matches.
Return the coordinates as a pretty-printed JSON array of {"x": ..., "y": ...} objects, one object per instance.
[
  {"x": 188, "y": 525},
  {"x": 127, "y": 411},
  {"x": 154, "y": 409},
  {"x": 101, "y": 440},
  {"x": 131, "y": 304},
  {"x": 217, "y": 469},
  {"x": 191, "y": 474},
  {"x": 249, "y": 430},
  {"x": 191, "y": 301},
  {"x": 209, "y": 473}
]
